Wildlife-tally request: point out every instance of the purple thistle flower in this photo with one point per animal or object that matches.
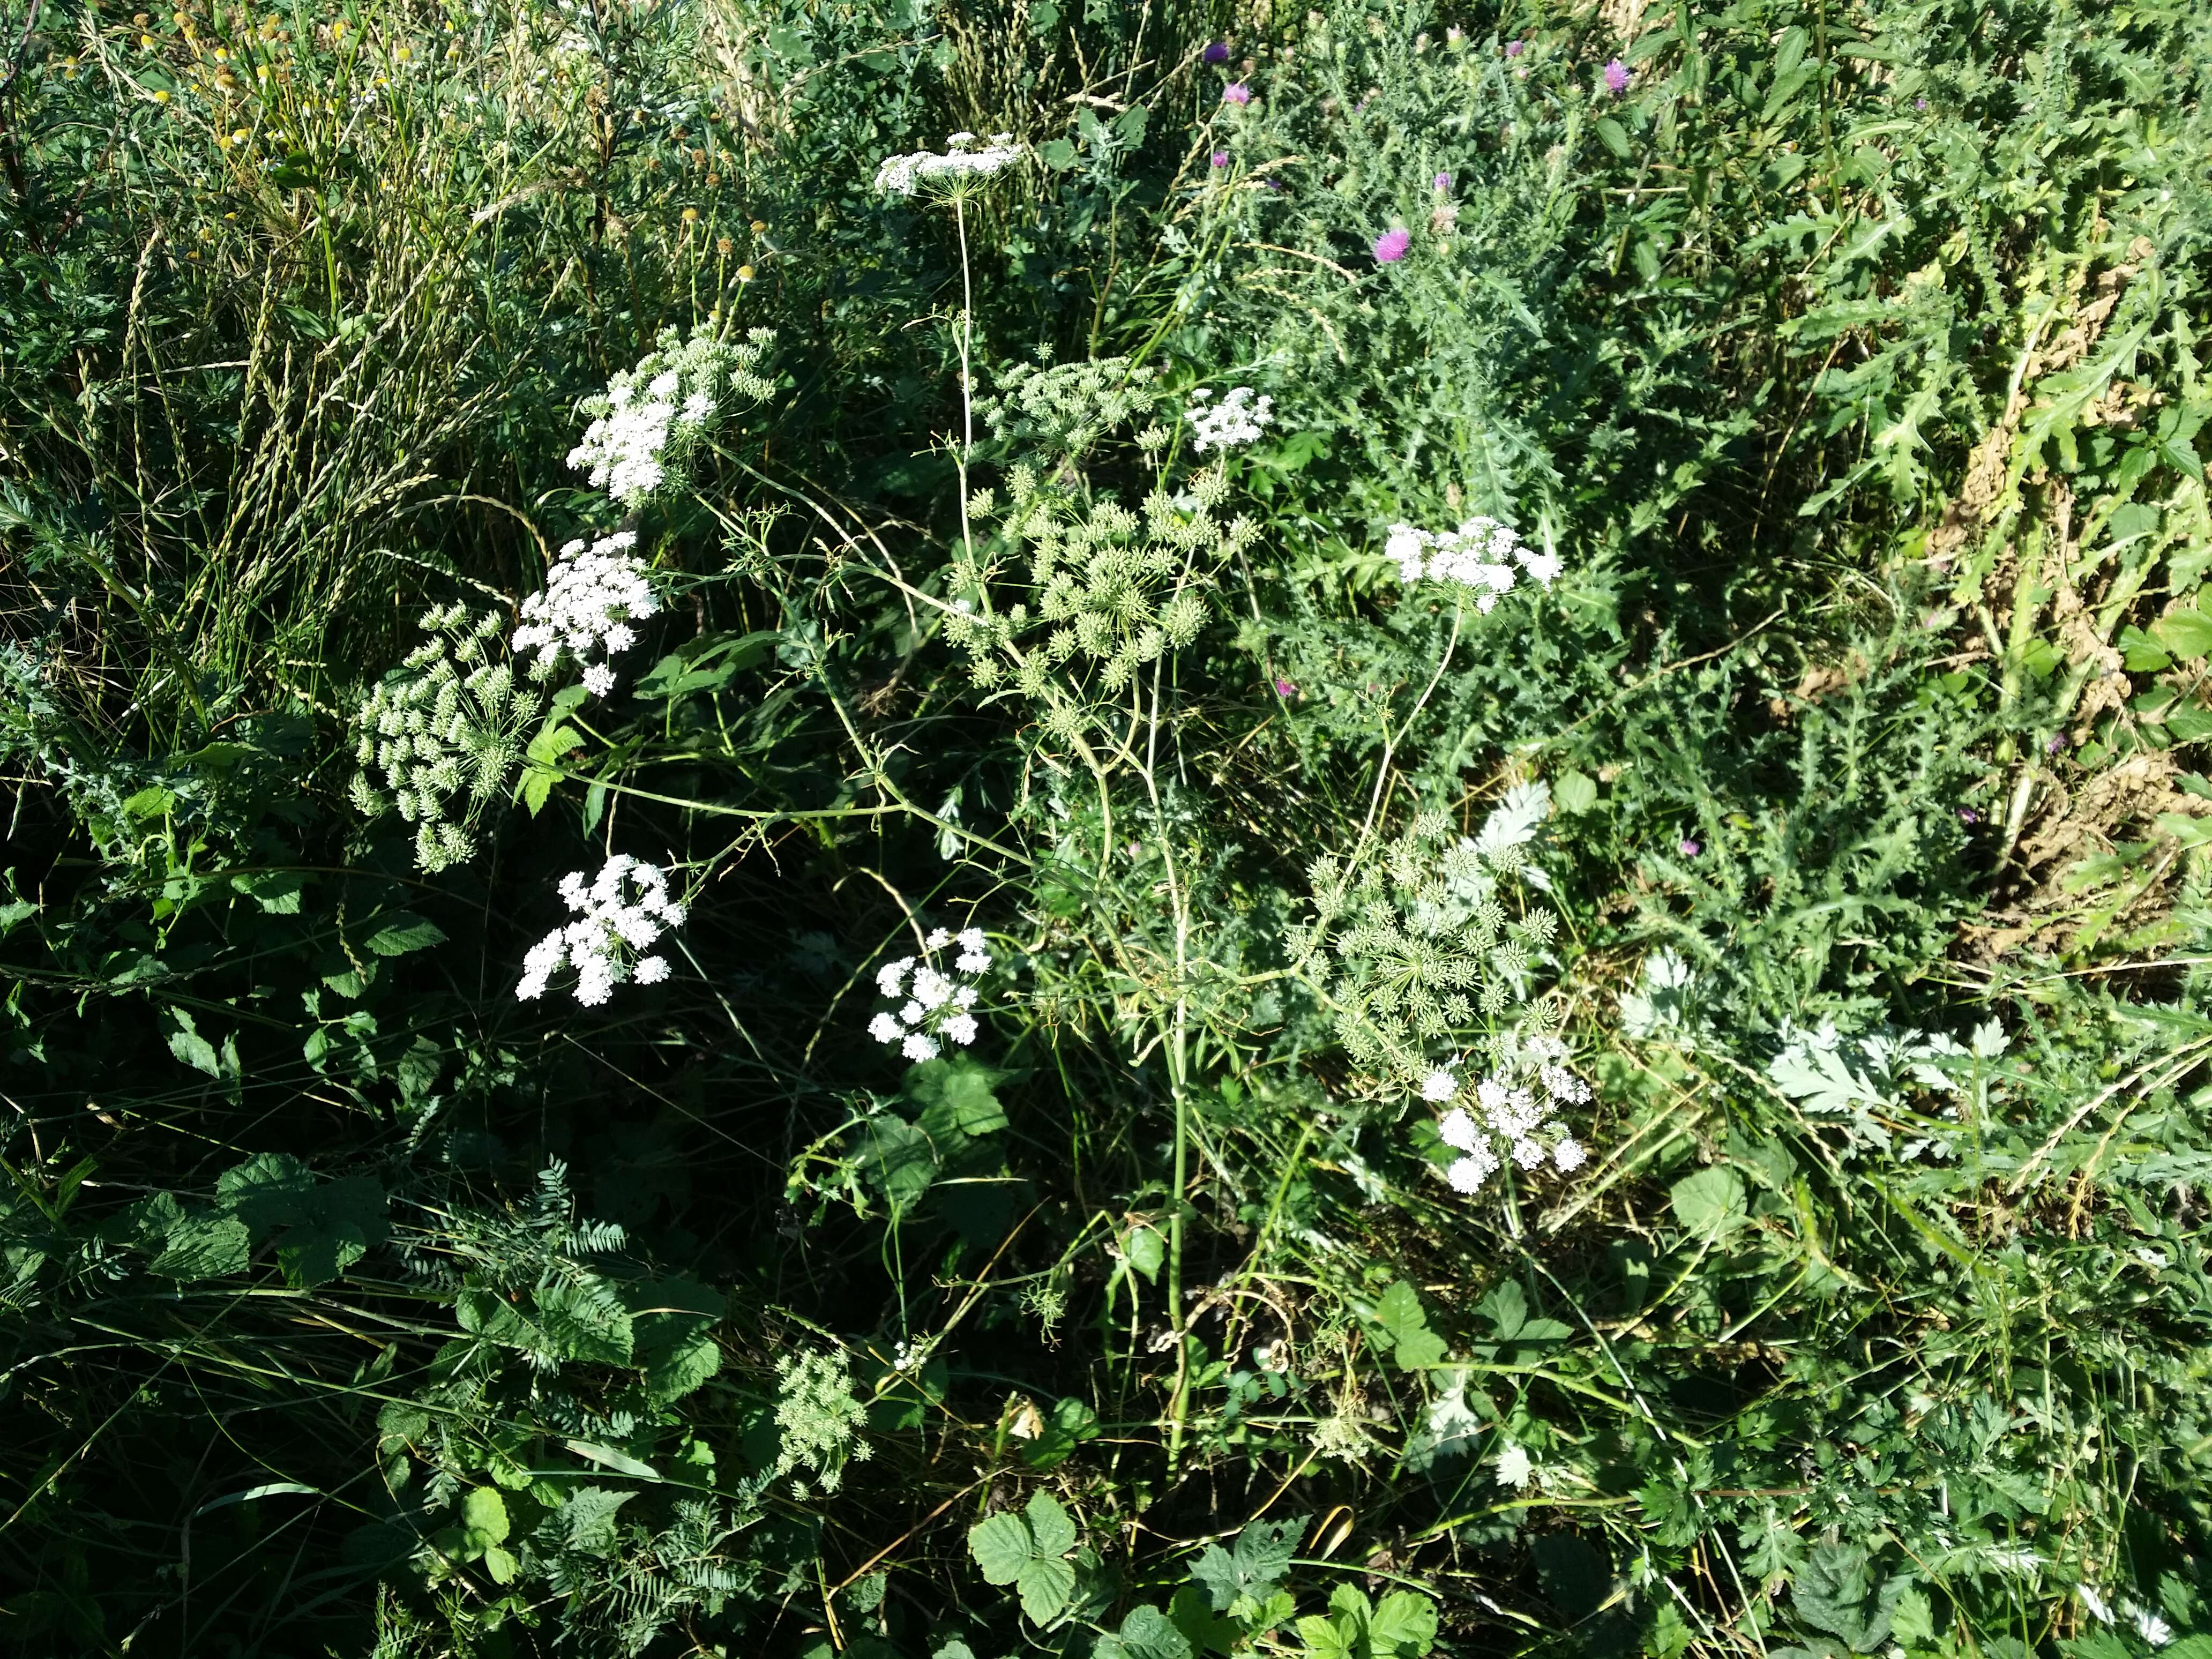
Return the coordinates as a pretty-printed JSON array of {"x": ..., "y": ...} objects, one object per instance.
[
  {"x": 1616, "y": 77},
  {"x": 1391, "y": 246},
  {"x": 1286, "y": 688},
  {"x": 1690, "y": 849},
  {"x": 1443, "y": 183},
  {"x": 1236, "y": 93},
  {"x": 1514, "y": 48},
  {"x": 1221, "y": 158},
  {"x": 1217, "y": 52}
]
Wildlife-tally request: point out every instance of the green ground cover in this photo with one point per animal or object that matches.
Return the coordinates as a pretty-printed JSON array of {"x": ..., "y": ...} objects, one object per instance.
[{"x": 1126, "y": 829}]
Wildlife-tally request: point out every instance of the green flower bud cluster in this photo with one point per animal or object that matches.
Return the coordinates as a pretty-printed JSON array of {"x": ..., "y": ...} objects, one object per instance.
[
  {"x": 1431, "y": 936},
  {"x": 1103, "y": 590},
  {"x": 1061, "y": 411},
  {"x": 440, "y": 737},
  {"x": 819, "y": 1420}
]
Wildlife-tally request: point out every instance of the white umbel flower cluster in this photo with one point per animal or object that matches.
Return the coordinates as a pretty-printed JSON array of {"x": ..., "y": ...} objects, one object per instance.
[
  {"x": 1236, "y": 421},
  {"x": 592, "y": 594},
  {"x": 619, "y": 916},
  {"x": 649, "y": 416},
  {"x": 935, "y": 1008},
  {"x": 902, "y": 175},
  {"x": 1515, "y": 1109},
  {"x": 1481, "y": 554}
]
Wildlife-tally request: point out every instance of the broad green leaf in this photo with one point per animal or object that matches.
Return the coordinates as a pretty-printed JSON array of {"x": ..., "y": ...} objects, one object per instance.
[
  {"x": 404, "y": 932},
  {"x": 1574, "y": 792},
  {"x": 1329, "y": 1638},
  {"x": 1399, "y": 1312},
  {"x": 1051, "y": 1531},
  {"x": 1146, "y": 1633},
  {"x": 587, "y": 1519},
  {"x": 585, "y": 1321},
  {"x": 1045, "y": 1584},
  {"x": 2187, "y": 633},
  {"x": 1505, "y": 1308},
  {"x": 956, "y": 1096},
  {"x": 319, "y": 1228},
  {"x": 1419, "y": 1350},
  {"x": 1145, "y": 1250},
  {"x": 1254, "y": 1565},
  {"x": 203, "y": 1247},
  {"x": 1000, "y": 1546},
  {"x": 1404, "y": 1625},
  {"x": 483, "y": 1519},
  {"x": 1710, "y": 1203},
  {"x": 896, "y": 1158}
]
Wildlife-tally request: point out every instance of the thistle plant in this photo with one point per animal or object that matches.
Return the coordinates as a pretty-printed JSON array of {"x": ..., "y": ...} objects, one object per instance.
[{"x": 443, "y": 734}]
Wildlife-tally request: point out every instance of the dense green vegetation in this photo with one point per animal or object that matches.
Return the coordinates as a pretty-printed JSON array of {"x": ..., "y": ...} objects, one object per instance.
[{"x": 1388, "y": 841}]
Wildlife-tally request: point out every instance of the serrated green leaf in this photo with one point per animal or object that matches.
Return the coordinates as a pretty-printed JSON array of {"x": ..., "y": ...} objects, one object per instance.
[
  {"x": 1051, "y": 1531},
  {"x": 1045, "y": 1585},
  {"x": 404, "y": 933},
  {"x": 1404, "y": 1626},
  {"x": 1001, "y": 1548},
  {"x": 1709, "y": 1204}
]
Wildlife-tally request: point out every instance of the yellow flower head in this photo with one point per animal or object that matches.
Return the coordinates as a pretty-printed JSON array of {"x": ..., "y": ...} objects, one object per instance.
[{"x": 745, "y": 273}]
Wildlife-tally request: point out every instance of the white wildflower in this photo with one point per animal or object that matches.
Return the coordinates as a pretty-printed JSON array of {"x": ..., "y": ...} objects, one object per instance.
[
  {"x": 1512, "y": 1119},
  {"x": 1481, "y": 554},
  {"x": 649, "y": 416},
  {"x": 934, "y": 1003},
  {"x": 625, "y": 908},
  {"x": 591, "y": 596},
  {"x": 1439, "y": 1086},
  {"x": 2095, "y": 1603},
  {"x": 902, "y": 175},
  {"x": 1234, "y": 422}
]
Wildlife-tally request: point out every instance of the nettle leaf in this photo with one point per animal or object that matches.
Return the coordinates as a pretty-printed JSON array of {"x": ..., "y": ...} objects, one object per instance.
[
  {"x": 1711, "y": 1203},
  {"x": 1254, "y": 1565}
]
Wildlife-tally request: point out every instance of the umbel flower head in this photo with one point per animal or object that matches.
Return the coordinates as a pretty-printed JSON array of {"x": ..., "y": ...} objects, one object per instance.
[
  {"x": 1516, "y": 1113},
  {"x": 592, "y": 596},
  {"x": 650, "y": 416},
  {"x": 440, "y": 737},
  {"x": 962, "y": 164},
  {"x": 626, "y": 907},
  {"x": 1234, "y": 422},
  {"x": 1481, "y": 554},
  {"x": 934, "y": 1007}
]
